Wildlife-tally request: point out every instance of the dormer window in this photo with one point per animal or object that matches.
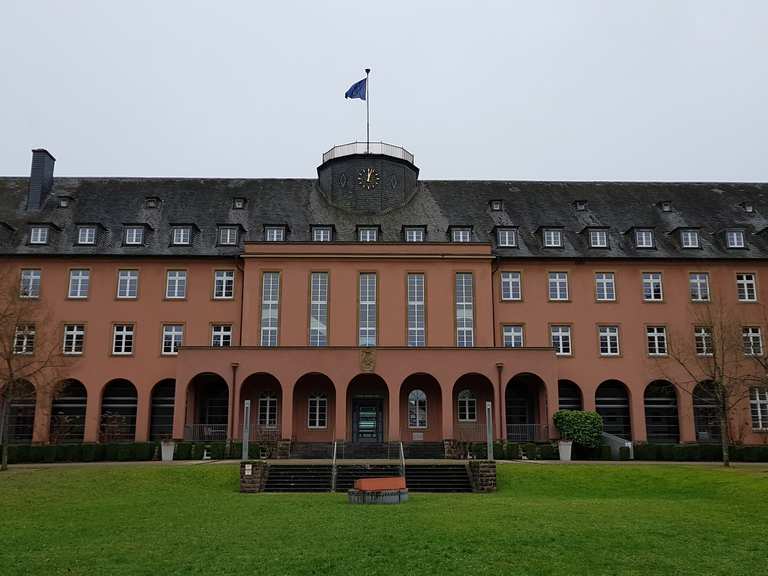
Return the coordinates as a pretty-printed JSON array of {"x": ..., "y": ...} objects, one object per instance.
[
  {"x": 322, "y": 233},
  {"x": 553, "y": 238},
  {"x": 86, "y": 235},
  {"x": 665, "y": 205},
  {"x": 367, "y": 234},
  {"x": 414, "y": 234},
  {"x": 461, "y": 234},
  {"x": 181, "y": 235},
  {"x": 580, "y": 205},
  {"x": 497, "y": 205},
  {"x": 38, "y": 235},
  {"x": 644, "y": 238},
  {"x": 506, "y": 237},
  {"x": 134, "y": 235},
  {"x": 274, "y": 233},
  {"x": 151, "y": 202},
  {"x": 748, "y": 207},
  {"x": 64, "y": 201},
  {"x": 238, "y": 203},
  {"x": 689, "y": 239},
  {"x": 598, "y": 238},
  {"x": 228, "y": 235},
  {"x": 735, "y": 238}
]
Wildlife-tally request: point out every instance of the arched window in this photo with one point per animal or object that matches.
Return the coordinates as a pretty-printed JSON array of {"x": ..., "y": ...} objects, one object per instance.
[
  {"x": 417, "y": 409},
  {"x": 318, "y": 411},
  {"x": 467, "y": 406},
  {"x": 268, "y": 410}
]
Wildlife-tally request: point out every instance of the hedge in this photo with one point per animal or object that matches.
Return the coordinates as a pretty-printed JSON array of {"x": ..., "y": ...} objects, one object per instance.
[{"x": 699, "y": 453}]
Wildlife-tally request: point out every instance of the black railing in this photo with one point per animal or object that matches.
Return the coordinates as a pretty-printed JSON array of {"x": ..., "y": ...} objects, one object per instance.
[{"x": 368, "y": 148}]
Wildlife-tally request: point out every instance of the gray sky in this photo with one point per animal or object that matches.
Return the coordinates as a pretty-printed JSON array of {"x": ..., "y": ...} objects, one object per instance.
[{"x": 551, "y": 90}]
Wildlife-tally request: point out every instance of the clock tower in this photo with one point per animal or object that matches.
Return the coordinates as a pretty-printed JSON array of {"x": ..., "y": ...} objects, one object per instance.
[{"x": 356, "y": 180}]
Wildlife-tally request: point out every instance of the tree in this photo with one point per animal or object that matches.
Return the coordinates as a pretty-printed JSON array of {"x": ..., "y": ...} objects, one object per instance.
[
  {"x": 31, "y": 352},
  {"x": 725, "y": 358}
]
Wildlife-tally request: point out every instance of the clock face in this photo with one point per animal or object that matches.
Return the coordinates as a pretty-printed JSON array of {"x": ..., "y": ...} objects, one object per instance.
[{"x": 368, "y": 178}]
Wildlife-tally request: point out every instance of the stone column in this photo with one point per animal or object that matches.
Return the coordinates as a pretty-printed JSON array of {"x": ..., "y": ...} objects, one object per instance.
[
  {"x": 92, "y": 414},
  {"x": 393, "y": 424},
  {"x": 42, "y": 424},
  {"x": 143, "y": 401}
]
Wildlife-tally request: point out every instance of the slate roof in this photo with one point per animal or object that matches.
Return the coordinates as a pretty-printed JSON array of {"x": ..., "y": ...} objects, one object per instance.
[{"x": 299, "y": 203}]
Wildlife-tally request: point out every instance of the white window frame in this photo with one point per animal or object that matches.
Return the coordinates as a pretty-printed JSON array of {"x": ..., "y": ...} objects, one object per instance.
[
  {"x": 318, "y": 309},
  {"x": 270, "y": 309},
  {"x": 758, "y": 403},
  {"x": 317, "y": 411},
  {"x": 24, "y": 339},
  {"x": 367, "y": 234},
  {"x": 274, "y": 233},
  {"x": 746, "y": 286},
  {"x": 511, "y": 286},
  {"x": 267, "y": 415},
  {"x": 74, "y": 340},
  {"x": 228, "y": 235},
  {"x": 126, "y": 281},
  {"x": 461, "y": 235},
  {"x": 513, "y": 336},
  {"x": 653, "y": 287},
  {"x": 465, "y": 309},
  {"x": 735, "y": 239},
  {"x": 558, "y": 286},
  {"x": 656, "y": 340},
  {"x": 86, "y": 235},
  {"x": 644, "y": 238},
  {"x": 322, "y": 233},
  {"x": 223, "y": 284},
  {"x": 609, "y": 344},
  {"x": 221, "y": 335},
  {"x": 416, "y": 293},
  {"x": 466, "y": 404},
  {"x": 698, "y": 286},
  {"x": 367, "y": 309},
  {"x": 414, "y": 234},
  {"x": 598, "y": 238},
  {"x": 122, "y": 339},
  {"x": 173, "y": 338},
  {"x": 417, "y": 410},
  {"x": 753, "y": 340},
  {"x": 689, "y": 238},
  {"x": 79, "y": 283},
  {"x": 181, "y": 236},
  {"x": 560, "y": 337},
  {"x": 38, "y": 235},
  {"x": 506, "y": 237},
  {"x": 703, "y": 343},
  {"x": 553, "y": 238},
  {"x": 176, "y": 284},
  {"x": 605, "y": 287},
  {"x": 30, "y": 282},
  {"x": 133, "y": 235}
]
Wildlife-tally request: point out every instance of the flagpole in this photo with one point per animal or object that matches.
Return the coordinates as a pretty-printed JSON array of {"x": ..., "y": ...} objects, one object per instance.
[{"x": 367, "y": 113}]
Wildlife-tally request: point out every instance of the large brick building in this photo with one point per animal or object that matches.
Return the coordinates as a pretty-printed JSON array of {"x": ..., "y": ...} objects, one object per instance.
[{"x": 367, "y": 305}]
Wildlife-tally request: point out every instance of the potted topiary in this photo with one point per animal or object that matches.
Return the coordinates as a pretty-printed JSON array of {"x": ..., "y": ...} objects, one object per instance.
[{"x": 584, "y": 428}]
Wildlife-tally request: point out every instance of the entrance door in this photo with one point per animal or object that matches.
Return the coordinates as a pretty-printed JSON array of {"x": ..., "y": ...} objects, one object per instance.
[{"x": 367, "y": 420}]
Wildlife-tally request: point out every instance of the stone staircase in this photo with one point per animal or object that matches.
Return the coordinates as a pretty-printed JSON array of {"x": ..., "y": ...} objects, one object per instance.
[
  {"x": 299, "y": 478},
  {"x": 368, "y": 451},
  {"x": 346, "y": 474},
  {"x": 311, "y": 450},
  {"x": 437, "y": 478},
  {"x": 424, "y": 450}
]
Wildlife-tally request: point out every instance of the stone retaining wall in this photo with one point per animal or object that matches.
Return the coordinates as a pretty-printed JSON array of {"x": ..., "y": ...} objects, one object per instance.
[
  {"x": 253, "y": 475},
  {"x": 483, "y": 475}
]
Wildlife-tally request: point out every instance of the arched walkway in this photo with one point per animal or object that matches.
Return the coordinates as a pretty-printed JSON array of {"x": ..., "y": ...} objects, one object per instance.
[
  {"x": 161, "y": 410},
  {"x": 525, "y": 400},
  {"x": 569, "y": 395},
  {"x": 21, "y": 413},
  {"x": 368, "y": 408},
  {"x": 662, "y": 424},
  {"x": 470, "y": 393},
  {"x": 314, "y": 408},
  {"x": 706, "y": 412},
  {"x": 612, "y": 403},
  {"x": 207, "y": 417},
  {"x": 266, "y": 396},
  {"x": 67, "y": 424},
  {"x": 421, "y": 409},
  {"x": 118, "y": 412}
]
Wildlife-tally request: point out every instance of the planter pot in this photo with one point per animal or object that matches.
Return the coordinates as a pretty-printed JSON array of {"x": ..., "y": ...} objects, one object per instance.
[
  {"x": 167, "y": 448},
  {"x": 564, "y": 446}
]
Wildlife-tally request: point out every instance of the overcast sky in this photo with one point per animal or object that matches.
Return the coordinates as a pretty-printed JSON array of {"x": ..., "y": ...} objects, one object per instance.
[{"x": 545, "y": 90}]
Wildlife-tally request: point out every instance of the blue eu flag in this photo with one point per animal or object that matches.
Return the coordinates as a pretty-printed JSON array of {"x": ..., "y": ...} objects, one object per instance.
[{"x": 357, "y": 90}]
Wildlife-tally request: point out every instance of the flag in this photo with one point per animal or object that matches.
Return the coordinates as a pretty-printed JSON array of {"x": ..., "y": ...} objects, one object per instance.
[{"x": 357, "y": 90}]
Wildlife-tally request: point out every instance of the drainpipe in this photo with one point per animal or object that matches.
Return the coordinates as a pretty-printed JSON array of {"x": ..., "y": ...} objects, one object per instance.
[
  {"x": 231, "y": 426},
  {"x": 499, "y": 370}
]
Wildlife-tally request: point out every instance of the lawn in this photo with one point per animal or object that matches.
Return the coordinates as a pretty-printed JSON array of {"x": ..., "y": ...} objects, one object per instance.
[{"x": 545, "y": 519}]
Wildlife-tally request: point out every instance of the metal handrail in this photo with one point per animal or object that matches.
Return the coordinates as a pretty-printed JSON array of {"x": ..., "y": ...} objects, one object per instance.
[
  {"x": 381, "y": 148},
  {"x": 333, "y": 469},
  {"x": 402, "y": 460}
]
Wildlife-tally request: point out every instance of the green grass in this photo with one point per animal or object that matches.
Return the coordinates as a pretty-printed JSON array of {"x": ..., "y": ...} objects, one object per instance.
[{"x": 545, "y": 519}]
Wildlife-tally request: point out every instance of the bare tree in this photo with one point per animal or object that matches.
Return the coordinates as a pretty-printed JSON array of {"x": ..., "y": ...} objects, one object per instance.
[
  {"x": 722, "y": 357},
  {"x": 31, "y": 352}
]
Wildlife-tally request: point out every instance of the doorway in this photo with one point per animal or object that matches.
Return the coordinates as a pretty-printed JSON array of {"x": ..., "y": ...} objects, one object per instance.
[{"x": 367, "y": 420}]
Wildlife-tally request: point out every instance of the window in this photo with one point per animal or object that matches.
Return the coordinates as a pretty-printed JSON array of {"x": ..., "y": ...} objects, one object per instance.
[
  {"x": 78, "y": 283},
  {"x": 465, "y": 313},
  {"x": 506, "y": 237},
  {"x": 182, "y": 236},
  {"x": 24, "y": 339},
  {"x": 735, "y": 238},
  {"x": 86, "y": 235},
  {"x": 228, "y": 235},
  {"x": 238, "y": 203},
  {"x": 417, "y": 409},
  {"x": 274, "y": 233},
  {"x": 134, "y": 235},
  {"x": 553, "y": 238},
  {"x": 689, "y": 238},
  {"x": 366, "y": 330},
  {"x": 127, "y": 283},
  {"x": 414, "y": 234},
  {"x": 416, "y": 322},
  {"x": 221, "y": 335},
  {"x": 122, "y": 339},
  {"x": 30, "y": 283},
  {"x": 322, "y": 233},
  {"x": 74, "y": 339},
  {"x": 151, "y": 202},
  {"x": 497, "y": 205},
  {"x": 753, "y": 341},
  {"x": 702, "y": 338},
  {"x": 318, "y": 321},
  {"x": 609, "y": 340},
  {"x": 652, "y": 287},
  {"x": 598, "y": 239},
  {"x": 176, "y": 284},
  {"x": 268, "y": 410},
  {"x": 368, "y": 234},
  {"x": 758, "y": 403},
  {"x": 558, "y": 286},
  {"x": 511, "y": 286},
  {"x": 644, "y": 238},
  {"x": 657, "y": 340},
  {"x": 318, "y": 411},
  {"x": 467, "y": 406},
  {"x": 698, "y": 284},
  {"x": 223, "y": 284},
  {"x": 580, "y": 205},
  {"x": 665, "y": 205},
  {"x": 64, "y": 201},
  {"x": 270, "y": 308},
  {"x": 561, "y": 340},
  {"x": 605, "y": 287},
  {"x": 38, "y": 235},
  {"x": 173, "y": 336},
  {"x": 746, "y": 287},
  {"x": 461, "y": 234},
  {"x": 512, "y": 336}
]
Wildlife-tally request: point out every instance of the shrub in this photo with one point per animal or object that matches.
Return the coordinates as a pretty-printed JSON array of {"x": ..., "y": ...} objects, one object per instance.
[
  {"x": 92, "y": 452},
  {"x": 143, "y": 451},
  {"x": 513, "y": 451},
  {"x": 530, "y": 450},
  {"x": 217, "y": 450},
  {"x": 584, "y": 428},
  {"x": 548, "y": 452},
  {"x": 623, "y": 453},
  {"x": 183, "y": 451}
]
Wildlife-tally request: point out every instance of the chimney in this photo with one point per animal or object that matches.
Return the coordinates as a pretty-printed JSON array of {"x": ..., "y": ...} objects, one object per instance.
[{"x": 41, "y": 178}]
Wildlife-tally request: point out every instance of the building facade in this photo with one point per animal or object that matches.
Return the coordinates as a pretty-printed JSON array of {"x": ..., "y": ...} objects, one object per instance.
[{"x": 367, "y": 305}]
